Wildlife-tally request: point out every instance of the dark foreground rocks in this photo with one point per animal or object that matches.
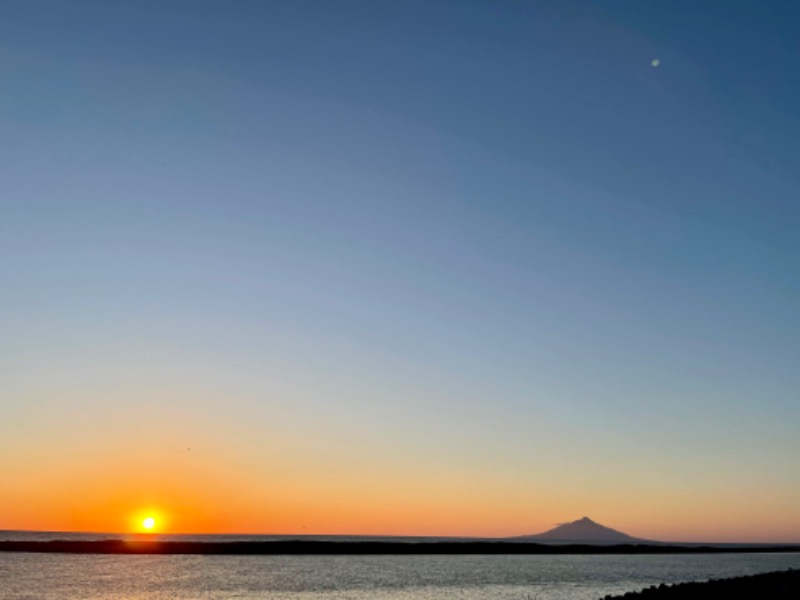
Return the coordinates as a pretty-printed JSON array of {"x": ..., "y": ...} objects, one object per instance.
[{"x": 766, "y": 586}]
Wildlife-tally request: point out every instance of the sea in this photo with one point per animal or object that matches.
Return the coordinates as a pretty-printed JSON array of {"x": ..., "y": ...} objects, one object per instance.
[{"x": 469, "y": 577}]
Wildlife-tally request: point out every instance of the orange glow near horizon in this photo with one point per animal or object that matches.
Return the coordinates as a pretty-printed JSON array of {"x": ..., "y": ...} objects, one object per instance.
[
  {"x": 305, "y": 485},
  {"x": 114, "y": 503}
]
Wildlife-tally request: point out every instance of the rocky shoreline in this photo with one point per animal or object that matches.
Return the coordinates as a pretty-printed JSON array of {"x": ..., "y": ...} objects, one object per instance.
[{"x": 777, "y": 585}]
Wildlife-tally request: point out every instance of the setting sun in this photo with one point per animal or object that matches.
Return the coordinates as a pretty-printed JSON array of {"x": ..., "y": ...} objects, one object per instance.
[{"x": 149, "y": 523}]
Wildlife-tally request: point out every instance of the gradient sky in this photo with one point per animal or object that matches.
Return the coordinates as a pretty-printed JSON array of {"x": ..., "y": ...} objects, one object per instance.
[{"x": 418, "y": 267}]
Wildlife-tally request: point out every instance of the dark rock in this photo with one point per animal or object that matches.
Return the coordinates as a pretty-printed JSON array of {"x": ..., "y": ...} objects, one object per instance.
[{"x": 778, "y": 585}]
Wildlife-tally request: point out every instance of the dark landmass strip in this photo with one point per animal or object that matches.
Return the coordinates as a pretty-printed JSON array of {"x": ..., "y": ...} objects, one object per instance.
[
  {"x": 362, "y": 548},
  {"x": 773, "y": 586}
]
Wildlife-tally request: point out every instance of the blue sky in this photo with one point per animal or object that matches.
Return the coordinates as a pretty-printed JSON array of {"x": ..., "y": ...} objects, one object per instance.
[{"x": 481, "y": 235}]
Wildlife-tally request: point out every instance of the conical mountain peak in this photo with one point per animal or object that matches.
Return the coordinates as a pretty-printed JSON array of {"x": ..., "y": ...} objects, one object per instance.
[{"x": 583, "y": 530}]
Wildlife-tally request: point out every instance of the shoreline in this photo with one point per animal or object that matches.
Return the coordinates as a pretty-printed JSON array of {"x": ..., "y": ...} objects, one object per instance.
[
  {"x": 296, "y": 547},
  {"x": 775, "y": 585}
]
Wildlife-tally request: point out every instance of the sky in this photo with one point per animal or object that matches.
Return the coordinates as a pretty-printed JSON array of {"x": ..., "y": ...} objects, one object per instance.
[{"x": 415, "y": 268}]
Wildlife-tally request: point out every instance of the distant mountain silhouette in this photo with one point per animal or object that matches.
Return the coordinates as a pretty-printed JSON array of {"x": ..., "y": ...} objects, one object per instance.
[{"x": 583, "y": 530}]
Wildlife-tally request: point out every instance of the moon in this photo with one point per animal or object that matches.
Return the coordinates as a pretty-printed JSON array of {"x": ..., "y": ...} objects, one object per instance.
[{"x": 655, "y": 62}]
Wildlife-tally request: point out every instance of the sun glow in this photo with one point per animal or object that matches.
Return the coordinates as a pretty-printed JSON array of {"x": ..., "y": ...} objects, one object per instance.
[{"x": 149, "y": 520}]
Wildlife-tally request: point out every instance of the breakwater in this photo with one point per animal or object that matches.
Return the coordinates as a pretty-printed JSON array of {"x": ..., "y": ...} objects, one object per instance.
[{"x": 778, "y": 585}]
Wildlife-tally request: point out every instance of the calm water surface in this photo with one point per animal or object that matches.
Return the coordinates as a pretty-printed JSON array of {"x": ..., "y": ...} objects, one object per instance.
[{"x": 103, "y": 577}]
